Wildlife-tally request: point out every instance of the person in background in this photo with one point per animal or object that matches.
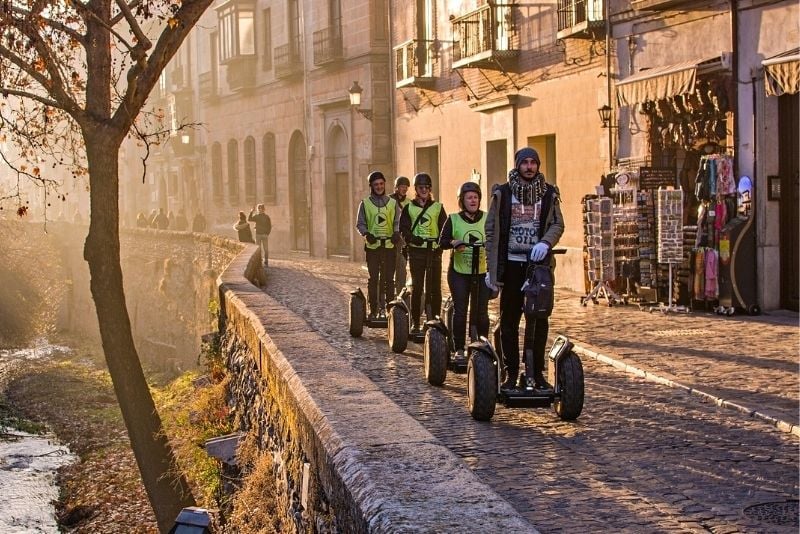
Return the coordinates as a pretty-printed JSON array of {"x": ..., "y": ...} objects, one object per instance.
[
  {"x": 160, "y": 221},
  {"x": 423, "y": 218},
  {"x": 243, "y": 229},
  {"x": 401, "y": 185},
  {"x": 466, "y": 226},
  {"x": 141, "y": 220},
  {"x": 198, "y": 223},
  {"x": 181, "y": 222},
  {"x": 263, "y": 229},
  {"x": 523, "y": 224},
  {"x": 377, "y": 221}
]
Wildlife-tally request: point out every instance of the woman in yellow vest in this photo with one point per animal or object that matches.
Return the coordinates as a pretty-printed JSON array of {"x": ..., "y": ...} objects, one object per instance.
[
  {"x": 466, "y": 226},
  {"x": 422, "y": 221},
  {"x": 377, "y": 221}
]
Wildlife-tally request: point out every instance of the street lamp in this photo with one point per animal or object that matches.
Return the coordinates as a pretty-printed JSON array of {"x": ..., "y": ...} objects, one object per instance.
[
  {"x": 185, "y": 138},
  {"x": 605, "y": 115},
  {"x": 355, "y": 101}
]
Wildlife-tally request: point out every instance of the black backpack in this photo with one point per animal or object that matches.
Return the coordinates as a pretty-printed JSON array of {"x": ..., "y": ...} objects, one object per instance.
[{"x": 538, "y": 293}]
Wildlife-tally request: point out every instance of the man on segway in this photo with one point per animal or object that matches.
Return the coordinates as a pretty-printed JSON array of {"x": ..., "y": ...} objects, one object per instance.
[
  {"x": 401, "y": 185},
  {"x": 420, "y": 225},
  {"x": 461, "y": 230},
  {"x": 523, "y": 224},
  {"x": 378, "y": 222}
]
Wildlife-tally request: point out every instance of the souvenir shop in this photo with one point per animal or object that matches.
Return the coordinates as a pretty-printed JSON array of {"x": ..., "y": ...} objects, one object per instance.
[{"x": 663, "y": 230}]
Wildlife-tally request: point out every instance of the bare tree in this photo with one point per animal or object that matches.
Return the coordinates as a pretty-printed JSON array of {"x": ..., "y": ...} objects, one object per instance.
[{"x": 74, "y": 77}]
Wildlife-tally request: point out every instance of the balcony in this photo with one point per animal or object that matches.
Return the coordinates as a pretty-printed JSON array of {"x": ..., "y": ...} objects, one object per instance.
[
  {"x": 485, "y": 38},
  {"x": 287, "y": 59},
  {"x": 580, "y": 19},
  {"x": 207, "y": 86},
  {"x": 240, "y": 72},
  {"x": 413, "y": 62},
  {"x": 327, "y": 45},
  {"x": 657, "y": 5}
]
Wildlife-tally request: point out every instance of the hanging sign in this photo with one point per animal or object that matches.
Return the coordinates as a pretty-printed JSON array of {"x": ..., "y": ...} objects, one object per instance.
[{"x": 655, "y": 177}]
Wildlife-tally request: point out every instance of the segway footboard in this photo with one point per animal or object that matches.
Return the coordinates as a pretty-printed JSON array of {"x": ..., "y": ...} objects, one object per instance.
[{"x": 526, "y": 398}]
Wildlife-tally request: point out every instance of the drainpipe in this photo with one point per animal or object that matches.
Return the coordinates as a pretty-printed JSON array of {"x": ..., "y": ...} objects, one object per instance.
[
  {"x": 606, "y": 13},
  {"x": 735, "y": 68}
]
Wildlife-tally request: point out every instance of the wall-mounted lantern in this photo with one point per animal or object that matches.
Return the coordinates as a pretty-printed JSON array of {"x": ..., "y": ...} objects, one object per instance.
[{"x": 355, "y": 101}]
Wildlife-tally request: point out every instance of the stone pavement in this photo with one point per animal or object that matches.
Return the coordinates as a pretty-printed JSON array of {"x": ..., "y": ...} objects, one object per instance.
[{"x": 642, "y": 457}]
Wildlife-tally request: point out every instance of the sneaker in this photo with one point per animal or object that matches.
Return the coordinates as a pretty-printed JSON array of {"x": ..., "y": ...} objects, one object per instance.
[
  {"x": 371, "y": 316},
  {"x": 510, "y": 383},
  {"x": 540, "y": 382}
]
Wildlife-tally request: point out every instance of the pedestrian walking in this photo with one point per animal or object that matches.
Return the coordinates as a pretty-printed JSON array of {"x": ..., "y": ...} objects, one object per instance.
[
  {"x": 198, "y": 223},
  {"x": 243, "y": 229},
  {"x": 263, "y": 229}
]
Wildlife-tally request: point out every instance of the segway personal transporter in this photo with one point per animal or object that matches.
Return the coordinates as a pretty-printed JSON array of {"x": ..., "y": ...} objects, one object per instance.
[
  {"x": 358, "y": 307},
  {"x": 399, "y": 310},
  {"x": 485, "y": 369},
  {"x": 439, "y": 345}
]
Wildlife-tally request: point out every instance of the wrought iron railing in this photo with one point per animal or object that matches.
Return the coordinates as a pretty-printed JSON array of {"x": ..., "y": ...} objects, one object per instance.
[
  {"x": 574, "y": 12},
  {"x": 413, "y": 61},
  {"x": 328, "y": 45},
  {"x": 490, "y": 28},
  {"x": 287, "y": 58}
]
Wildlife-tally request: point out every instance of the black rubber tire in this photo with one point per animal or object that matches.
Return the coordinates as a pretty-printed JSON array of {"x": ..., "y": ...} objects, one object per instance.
[
  {"x": 434, "y": 357},
  {"x": 481, "y": 386},
  {"x": 397, "y": 329},
  {"x": 754, "y": 309},
  {"x": 570, "y": 371},
  {"x": 358, "y": 313}
]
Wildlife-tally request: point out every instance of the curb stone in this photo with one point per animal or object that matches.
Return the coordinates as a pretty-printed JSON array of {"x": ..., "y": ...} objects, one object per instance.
[{"x": 583, "y": 350}]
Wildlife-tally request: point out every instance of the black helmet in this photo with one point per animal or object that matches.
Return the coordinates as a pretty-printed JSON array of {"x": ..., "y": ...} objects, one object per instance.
[
  {"x": 423, "y": 178},
  {"x": 375, "y": 175},
  {"x": 465, "y": 188},
  {"x": 401, "y": 180}
]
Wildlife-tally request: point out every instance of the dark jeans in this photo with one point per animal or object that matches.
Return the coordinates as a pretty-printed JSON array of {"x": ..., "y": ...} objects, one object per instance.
[
  {"x": 380, "y": 264},
  {"x": 511, "y": 301},
  {"x": 459, "y": 290},
  {"x": 399, "y": 268},
  {"x": 430, "y": 283}
]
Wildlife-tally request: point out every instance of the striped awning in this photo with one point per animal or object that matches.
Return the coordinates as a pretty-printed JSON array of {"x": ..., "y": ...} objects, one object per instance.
[
  {"x": 663, "y": 82},
  {"x": 782, "y": 73}
]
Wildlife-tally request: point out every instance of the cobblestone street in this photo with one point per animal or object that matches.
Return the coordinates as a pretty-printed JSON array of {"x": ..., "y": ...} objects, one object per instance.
[{"x": 643, "y": 457}]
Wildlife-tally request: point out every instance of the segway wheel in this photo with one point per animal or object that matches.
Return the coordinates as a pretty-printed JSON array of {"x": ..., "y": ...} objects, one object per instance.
[
  {"x": 481, "y": 386},
  {"x": 397, "y": 329},
  {"x": 434, "y": 355},
  {"x": 358, "y": 313},
  {"x": 570, "y": 377}
]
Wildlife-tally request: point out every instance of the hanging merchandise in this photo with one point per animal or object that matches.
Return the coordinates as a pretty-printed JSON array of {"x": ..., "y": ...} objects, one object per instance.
[{"x": 669, "y": 214}]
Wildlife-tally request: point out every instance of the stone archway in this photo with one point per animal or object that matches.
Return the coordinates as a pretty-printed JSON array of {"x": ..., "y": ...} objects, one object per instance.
[
  {"x": 298, "y": 192},
  {"x": 338, "y": 203}
]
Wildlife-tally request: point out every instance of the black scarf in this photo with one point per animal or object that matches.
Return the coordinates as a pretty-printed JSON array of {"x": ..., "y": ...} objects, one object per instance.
[{"x": 527, "y": 193}]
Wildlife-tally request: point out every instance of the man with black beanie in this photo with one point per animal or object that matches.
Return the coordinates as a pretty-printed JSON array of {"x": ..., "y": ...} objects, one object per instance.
[{"x": 524, "y": 222}]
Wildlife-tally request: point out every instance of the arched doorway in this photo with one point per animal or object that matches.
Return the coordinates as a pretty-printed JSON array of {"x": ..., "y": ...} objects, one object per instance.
[
  {"x": 298, "y": 192},
  {"x": 338, "y": 206}
]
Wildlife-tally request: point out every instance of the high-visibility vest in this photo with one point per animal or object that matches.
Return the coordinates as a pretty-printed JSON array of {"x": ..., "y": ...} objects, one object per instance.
[
  {"x": 428, "y": 225},
  {"x": 380, "y": 221},
  {"x": 468, "y": 232}
]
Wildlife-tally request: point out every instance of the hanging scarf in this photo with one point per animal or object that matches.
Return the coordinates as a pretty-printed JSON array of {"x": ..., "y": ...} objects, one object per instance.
[{"x": 528, "y": 193}]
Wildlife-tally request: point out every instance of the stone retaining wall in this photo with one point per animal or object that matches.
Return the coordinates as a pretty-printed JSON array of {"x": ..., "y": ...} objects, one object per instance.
[{"x": 347, "y": 458}]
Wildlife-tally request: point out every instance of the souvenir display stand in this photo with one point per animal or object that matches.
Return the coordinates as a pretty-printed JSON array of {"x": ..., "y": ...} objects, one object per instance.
[
  {"x": 599, "y": 232},
  {"x": 669, "y": 227},
  {"x": 626, "y": 239}
]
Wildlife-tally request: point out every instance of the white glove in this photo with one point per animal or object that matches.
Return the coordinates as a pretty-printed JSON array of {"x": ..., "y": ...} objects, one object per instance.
[
  {"x": 489, "y": 283},
  {"x": 539, "y": 251}
]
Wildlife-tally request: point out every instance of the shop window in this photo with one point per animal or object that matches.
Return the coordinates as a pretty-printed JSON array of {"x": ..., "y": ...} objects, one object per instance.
[
  {"x": 250, "y": 169},
  {"x": 216, "y": 172},
  {"x": 233, "y": 171},
  {"x": 270, "y": 168}
]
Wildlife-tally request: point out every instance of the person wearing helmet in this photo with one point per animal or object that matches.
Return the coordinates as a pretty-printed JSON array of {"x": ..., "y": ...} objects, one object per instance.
[
  {"x": 423, "y": 218},
  {"x": 377, "y": 222},
  {"x": 466, "y": 226},
  {"x": 523, "y": 223},
  {"x": 401, "y": 185}
]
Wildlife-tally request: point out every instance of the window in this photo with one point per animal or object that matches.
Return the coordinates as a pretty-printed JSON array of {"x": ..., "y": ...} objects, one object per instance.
[
  {"x": 233, "y": 171},
  {"x": 216, "y": 172},
  {"x": 266, "y": 57},
  {"x": 269, "y": 166},
  {"x": 250, "y": 169},
  {"x": 237, "y": 30}
]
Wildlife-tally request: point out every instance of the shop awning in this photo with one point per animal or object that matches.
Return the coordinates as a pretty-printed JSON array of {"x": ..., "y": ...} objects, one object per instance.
[
  {"x": 782, "y": 73},
  {"x": 663, "y": 82}
]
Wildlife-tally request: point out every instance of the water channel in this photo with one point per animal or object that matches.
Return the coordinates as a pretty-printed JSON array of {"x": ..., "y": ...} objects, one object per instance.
[{"x": 28, "y": 462}]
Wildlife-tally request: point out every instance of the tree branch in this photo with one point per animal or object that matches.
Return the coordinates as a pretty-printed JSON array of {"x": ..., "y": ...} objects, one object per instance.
[
  {"x": 116, "y": 18},
  {"x": 50, "y": 22},
  {"x": 5, "y": 91},
  {"x": 142, "y": 39}
]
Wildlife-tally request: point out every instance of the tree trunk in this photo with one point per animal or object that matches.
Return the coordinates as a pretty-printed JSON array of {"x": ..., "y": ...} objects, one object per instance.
[{"x": 166, "y": 486}]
